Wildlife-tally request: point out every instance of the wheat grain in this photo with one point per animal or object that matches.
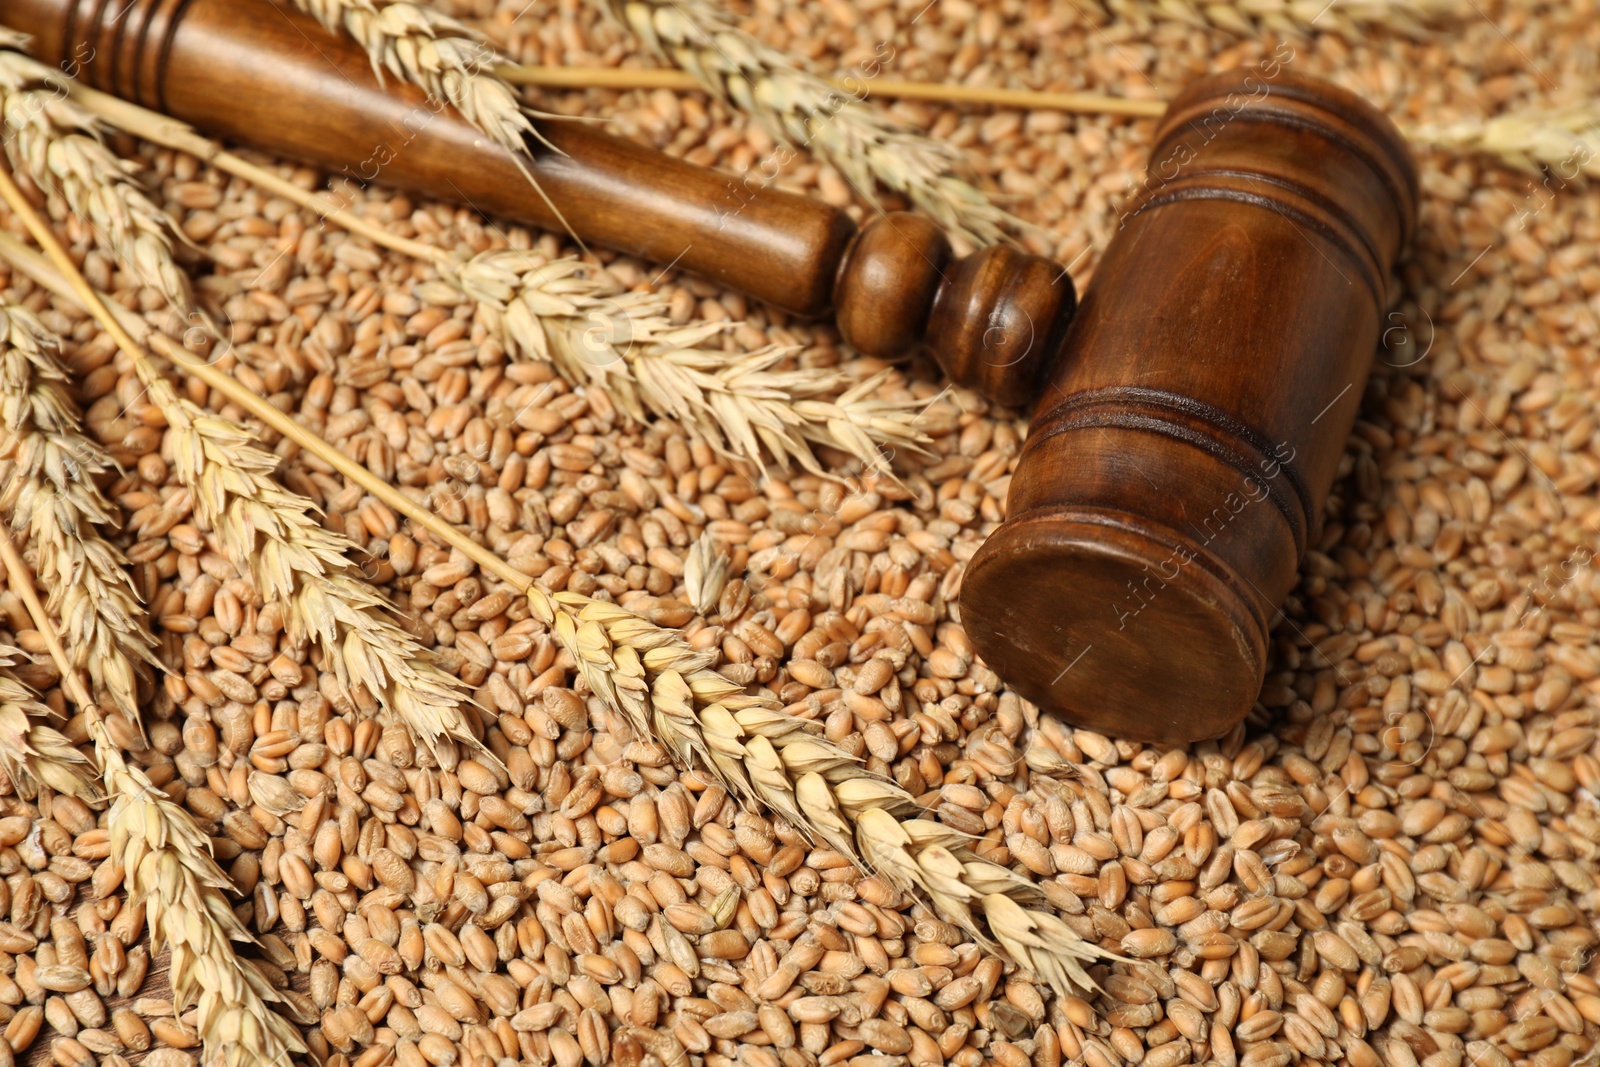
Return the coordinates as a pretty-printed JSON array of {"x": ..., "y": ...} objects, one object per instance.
[
  {"x": 1562, "y": 140},
  {"x": 58, "y": 144},
  {"x": 575, "y": 317},
  {"x": 31, "y": 754},
  {"x": 50, "y": 493},
  {"x": 800, "y": 109}
]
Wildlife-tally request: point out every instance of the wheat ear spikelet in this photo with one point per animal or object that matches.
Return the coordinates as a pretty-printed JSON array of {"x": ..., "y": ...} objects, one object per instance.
[
  {"x": 57, "y": 143},
  {"x": 32, "y": 754},
  {"x": 572, "y": 315},
  {"x": 705, "y": 572},
  {"x": 1562, "y": 139},
  {"x": 168, "y": 868},
  {"x": 780, "y": 762},
  {"x": 800, "y": 109},
  {"x": 271, "y": 535},
  {"x": 50, "y": 494}
]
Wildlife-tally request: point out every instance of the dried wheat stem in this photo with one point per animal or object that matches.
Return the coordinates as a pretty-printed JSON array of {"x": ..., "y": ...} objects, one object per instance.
[
  {"x": 270, "y": 534},
  {"x": 170, "y": 133},
  {"x": 50, "y": 494},
  {"x": 168, "y": 868},
  {"x": 935, "y": 92},
  {"x": 57, "y": 143},
  {"x": 800, "y": 109},
  {"x": 742, "y": 406}
]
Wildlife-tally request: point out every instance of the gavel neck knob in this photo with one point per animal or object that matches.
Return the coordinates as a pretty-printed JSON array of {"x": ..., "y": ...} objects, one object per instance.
[{"x": 993, "y": 320}]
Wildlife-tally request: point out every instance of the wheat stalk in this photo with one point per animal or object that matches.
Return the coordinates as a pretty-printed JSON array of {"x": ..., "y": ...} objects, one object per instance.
[
  {"x": 50, "y": 492},
  {"x": 800, "y": 109},
  {"x": 166, "y": 862},
  {"x": 1560, "y": 139},
  {"x": 779, "y": 761},
  {"x": 271, "y": 535},
  {"x": 57, "y": 143},
  {"x": 575, "y": 317}
]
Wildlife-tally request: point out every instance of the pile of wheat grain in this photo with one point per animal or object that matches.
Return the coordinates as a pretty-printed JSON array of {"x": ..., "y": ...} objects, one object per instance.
[{"x": 1394, "y": 863}]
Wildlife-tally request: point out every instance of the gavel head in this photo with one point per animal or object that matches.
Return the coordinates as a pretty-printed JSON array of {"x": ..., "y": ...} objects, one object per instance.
[{"x": 1186, "y": 436}]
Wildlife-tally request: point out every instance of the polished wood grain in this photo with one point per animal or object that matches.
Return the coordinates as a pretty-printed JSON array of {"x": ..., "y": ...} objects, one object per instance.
[
  {"x": 259, "y": 71},
  {"x": 1187, "y": 437}
]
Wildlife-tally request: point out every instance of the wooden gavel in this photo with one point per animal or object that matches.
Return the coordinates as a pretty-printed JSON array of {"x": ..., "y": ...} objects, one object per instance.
[{"x": 1186, "y": 428}]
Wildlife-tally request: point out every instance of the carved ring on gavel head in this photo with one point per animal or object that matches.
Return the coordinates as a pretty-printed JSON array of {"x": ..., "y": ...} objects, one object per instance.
[{"x": 1188, "y": 422}]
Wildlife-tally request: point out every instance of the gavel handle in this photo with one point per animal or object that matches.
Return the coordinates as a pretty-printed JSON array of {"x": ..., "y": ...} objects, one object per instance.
[{"x": 261, "y": 72}]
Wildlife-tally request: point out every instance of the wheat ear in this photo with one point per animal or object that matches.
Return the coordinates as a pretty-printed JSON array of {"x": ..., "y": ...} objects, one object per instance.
[
  {"x": 168, "y": 868},
  {"x": 1353, "y": 20},
  {"x": 1561, "y": 140},
  {"x": 550, "y": 311},
  {"x": 57, "y": 144},
  {"x": 50, "y": 494},
  {"x": 271, "y": 535},
  {"x": 170, "y": 871},
  {"x": 574, "y": 316},
  {"x": 780, "y": 762},
  {"x": 800, "y": 109}
]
